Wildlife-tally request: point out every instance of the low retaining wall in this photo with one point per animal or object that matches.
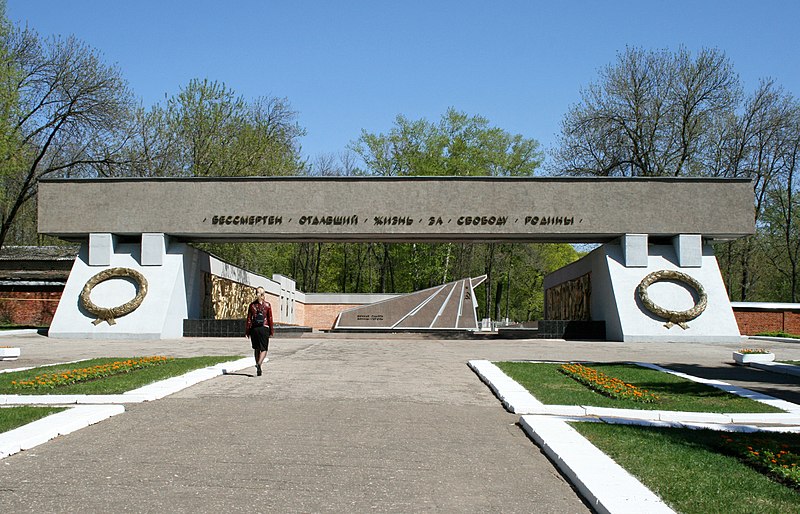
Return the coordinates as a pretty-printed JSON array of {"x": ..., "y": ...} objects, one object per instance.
[
  {"x": 232, "y": 328},
  {"x": 34, "y": 307},
  {"x": 757, "y": 317}
]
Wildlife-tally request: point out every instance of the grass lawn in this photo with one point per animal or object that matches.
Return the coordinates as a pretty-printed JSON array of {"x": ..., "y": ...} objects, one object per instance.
[
  {"x": 693, "y": 471},
  {"x": 13, "y": 417},
  {"x": 549, "y": 386},
  {"x": 779, "y": 334},
  {"x": 115, "y": 384}
]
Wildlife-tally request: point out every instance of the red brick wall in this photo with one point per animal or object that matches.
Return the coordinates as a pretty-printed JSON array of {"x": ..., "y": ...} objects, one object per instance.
[
  {"x": 791, "y": 322},
  {"x": 28, "y": 307},
  {"x": 323, "y": 316},
  {"x": 300, "y": 313},
  {"x": 751, "y": 322}
]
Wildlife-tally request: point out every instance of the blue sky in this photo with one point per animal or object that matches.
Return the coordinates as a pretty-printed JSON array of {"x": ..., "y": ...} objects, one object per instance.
[{"x": 352, "y": 65}]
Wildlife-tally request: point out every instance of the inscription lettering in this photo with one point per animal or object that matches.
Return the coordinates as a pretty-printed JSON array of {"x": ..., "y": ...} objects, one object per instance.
[
  {"x": 550, "y": 220},
  {"x": 329, "y": 220},
  {"x": 246, "y": 220},
  {"x": 393, "y": 220},
  {"x": 369, "y": 317},
  {"x": 482, "y": 220}
]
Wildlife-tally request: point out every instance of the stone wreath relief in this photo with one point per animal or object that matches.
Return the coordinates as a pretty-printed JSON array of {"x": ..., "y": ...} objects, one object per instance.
[
  {"x": 108, "y": 314},
  {"x": 673, "y": 317}
]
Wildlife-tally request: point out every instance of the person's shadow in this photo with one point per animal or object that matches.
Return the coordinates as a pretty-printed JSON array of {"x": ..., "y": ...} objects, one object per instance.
[{"x": 228, "y": 373}]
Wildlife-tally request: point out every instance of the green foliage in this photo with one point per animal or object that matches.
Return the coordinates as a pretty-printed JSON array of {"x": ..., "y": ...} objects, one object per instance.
[
  {"x": 207, "y": 130},
  {"x": 459, "y": 145},
  {"x": 63, "y": 112}
]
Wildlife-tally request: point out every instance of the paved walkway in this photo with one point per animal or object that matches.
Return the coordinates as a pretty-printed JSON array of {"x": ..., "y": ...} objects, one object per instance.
[{"x": 335, "y": 424}]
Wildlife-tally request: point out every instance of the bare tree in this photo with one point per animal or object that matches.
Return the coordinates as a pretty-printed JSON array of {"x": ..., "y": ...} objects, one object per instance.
[
  {"x": 64, "y": 112},
  {"x": 650, "y": 114},
  {"x": 757, "y": 145}
]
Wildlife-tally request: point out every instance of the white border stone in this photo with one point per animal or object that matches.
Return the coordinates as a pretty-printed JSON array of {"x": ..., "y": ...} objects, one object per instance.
[
  {"x": 606, "y": 486},
  {"x": 54, "y": 425}
]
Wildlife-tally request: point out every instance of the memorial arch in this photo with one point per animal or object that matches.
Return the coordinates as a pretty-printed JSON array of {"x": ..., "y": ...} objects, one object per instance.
[{"x": 655, "y": 236}]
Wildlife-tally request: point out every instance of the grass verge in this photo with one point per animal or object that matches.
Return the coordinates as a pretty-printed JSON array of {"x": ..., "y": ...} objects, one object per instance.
[
  {"x": 544, "y": 381},
  {"x": 14, "y": 417},
  {"x": 692, "y": 471},
  {"x": 115, "y": 384},
  {"x": 779, "y": 334}
]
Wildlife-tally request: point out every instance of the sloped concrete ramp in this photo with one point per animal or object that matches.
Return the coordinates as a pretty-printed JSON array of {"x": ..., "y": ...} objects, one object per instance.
[{"x": 446, "y": 307}]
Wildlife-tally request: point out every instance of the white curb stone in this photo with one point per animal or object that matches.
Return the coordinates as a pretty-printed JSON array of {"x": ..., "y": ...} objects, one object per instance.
[
  {"x": 608, "y": 412},
  {"x": 739, "y": 391},
  {"x": 640, "y": 422},
  {"x": 61, "y": 423},
  {"x": 563, "y": 410},
  {"x": 693, "y": 417},
  {"x": 777, "y": 367},
  {"x": 513, "y": 396},
  {"x": 605, "y": 484}
]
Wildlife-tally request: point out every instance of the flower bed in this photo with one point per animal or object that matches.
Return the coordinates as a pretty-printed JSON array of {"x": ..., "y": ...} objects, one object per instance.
[
  {"x": 747, "y": 355},
  {"x": 607, "y": 385},
  {"x": 74, "y": 376},
  {"x": 780, "y": 461}
]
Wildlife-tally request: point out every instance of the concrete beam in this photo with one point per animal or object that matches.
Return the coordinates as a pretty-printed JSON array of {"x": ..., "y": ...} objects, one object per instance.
[{"x": 397, "y": 209}]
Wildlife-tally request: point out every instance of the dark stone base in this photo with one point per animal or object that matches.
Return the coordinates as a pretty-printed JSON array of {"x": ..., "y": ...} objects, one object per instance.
[
  {"x": 570, "y": 329},
  {"x": 233, "y": 328},
  {"x": 558, "y": 329}
]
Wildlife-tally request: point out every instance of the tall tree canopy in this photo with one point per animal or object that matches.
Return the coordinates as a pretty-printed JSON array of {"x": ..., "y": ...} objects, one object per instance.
[
  {"x": 63, "y": 113},
  {"x": 458, "y": 145},
  {"x": 207, "y": 130}
]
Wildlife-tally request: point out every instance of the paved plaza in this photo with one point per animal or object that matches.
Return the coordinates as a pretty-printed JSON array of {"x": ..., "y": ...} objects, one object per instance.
[{"x": 336, "y": 424}]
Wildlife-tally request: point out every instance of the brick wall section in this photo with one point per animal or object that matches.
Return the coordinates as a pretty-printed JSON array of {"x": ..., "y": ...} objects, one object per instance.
[
  {"x": 323, "y": 316},
  {"x": 35, "y": 308},
  {"x": 300, "y": 314},
  {"x": 752, "y": 322},
  {"x": 791, "y": 322},
  {"x": 275, "y": 304}
]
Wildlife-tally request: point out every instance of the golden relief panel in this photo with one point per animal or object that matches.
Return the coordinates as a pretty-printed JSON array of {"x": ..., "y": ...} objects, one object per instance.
[
  {"x": 570, "y": 300},
  {"x": 226, "y": 299}
]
